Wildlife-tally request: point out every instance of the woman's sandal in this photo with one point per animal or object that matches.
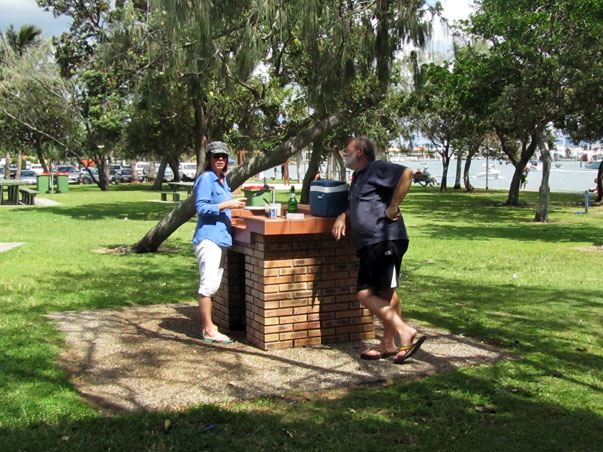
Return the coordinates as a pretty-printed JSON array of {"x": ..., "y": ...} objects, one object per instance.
[
  {"x": 217, "y": 339},
  {"x": 409, "y": 350},
  {"x": 375, "y": 353}
]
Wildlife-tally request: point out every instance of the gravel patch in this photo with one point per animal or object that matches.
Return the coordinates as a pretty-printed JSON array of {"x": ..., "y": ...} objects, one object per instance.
[{"x": 151, "y": 358}]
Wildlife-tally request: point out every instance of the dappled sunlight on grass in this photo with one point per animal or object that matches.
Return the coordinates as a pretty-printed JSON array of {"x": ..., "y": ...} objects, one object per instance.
[{"x": 474, "y": 267}]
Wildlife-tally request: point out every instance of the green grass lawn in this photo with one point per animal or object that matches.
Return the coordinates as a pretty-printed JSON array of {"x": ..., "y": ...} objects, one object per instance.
[{"x": 474, "y": 267}]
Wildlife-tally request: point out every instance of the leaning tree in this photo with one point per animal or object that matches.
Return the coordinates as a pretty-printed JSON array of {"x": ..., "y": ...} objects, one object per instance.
[{"x": 227, "y": 42}]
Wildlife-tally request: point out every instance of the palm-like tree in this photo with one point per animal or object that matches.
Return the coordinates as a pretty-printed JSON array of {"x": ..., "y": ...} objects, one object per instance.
[{"x": 27, "y": 36}]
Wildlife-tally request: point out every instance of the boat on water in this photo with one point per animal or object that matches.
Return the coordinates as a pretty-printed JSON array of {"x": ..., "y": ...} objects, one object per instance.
[
  {"x": 593, "y": 165},
  {"x": 492, "y": 172}
]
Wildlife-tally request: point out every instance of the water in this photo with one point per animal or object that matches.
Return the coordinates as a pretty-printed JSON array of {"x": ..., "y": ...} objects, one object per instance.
[
  {"x": 569, "y": 176},
  {"x": 564, "y": 176}
]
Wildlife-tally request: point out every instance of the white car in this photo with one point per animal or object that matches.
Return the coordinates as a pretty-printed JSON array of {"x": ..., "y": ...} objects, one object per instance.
[
  {"x": 29, "y": 177},
  {"x": 188, "y": 169},
  {"x": 36, "y": 168},
  {"x": 73, "y": 176},
  {"x": 142, "y": 169}
]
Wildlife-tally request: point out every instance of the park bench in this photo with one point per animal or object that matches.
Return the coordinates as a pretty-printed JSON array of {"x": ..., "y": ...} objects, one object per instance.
[
  {"x": 27, "y": 195},
  {"x": 174, "y": 195},
  {"x": 424, "y": 180}
]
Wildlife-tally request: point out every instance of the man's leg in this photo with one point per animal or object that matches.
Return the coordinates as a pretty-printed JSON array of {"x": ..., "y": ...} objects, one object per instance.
[
  {"x": 381, "y": 306},
  {"x": 396, "y": 306}
]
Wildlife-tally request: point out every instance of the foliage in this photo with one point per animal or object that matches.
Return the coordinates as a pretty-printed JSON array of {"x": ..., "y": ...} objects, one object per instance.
[
  {"x": 529, "y": 57},
  {"x": 19, "y": 42},
  {"x": 35, "y": 104}
]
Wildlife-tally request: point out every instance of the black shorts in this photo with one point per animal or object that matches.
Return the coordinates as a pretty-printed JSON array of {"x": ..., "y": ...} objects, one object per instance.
[{"x": 380, "y": 265}]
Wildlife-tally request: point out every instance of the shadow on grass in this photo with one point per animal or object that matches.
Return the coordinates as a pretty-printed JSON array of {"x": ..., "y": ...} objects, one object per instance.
[
  {"x": 529, "y": 232},
  {"x": 486, "y": 207},
  {"x": 452, "y": 411},
  {"x": 139, "y": 210},
  {"x": 137, "y": 279},
  {"x": 516, "y": 318}
]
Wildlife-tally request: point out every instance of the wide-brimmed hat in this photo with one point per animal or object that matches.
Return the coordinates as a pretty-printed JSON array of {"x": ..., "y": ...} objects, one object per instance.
[{"x": 217, "y": 147}]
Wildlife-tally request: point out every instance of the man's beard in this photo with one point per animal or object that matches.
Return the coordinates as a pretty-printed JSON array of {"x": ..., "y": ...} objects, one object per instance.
[{"x": 351, "y": 162}]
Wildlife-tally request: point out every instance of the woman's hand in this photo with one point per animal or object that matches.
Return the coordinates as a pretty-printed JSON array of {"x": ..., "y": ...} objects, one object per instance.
[{"x": 235, "y": 203}]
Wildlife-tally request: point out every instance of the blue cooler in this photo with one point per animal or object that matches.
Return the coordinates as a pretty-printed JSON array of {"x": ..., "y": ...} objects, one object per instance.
[{"x": 328, "y": 198}]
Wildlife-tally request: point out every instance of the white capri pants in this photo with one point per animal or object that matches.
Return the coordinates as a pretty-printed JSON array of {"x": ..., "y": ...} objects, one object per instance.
[{"x": 209, "y": 257}]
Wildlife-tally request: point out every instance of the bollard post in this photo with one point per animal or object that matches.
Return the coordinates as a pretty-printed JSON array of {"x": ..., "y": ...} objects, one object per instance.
[{"x": 586, "y": 201}]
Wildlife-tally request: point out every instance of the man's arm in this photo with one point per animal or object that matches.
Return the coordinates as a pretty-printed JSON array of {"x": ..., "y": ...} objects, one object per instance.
[
  {"x": 338, "y": 230},
  {"x": 402, "y": 187}
]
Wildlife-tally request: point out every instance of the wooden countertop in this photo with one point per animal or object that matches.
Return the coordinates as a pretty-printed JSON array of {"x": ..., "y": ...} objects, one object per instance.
[{"x": 246, "y": 221}]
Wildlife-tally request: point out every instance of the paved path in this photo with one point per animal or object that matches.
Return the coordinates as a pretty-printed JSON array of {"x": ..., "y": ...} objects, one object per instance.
[{"x": 9, "y": 246}]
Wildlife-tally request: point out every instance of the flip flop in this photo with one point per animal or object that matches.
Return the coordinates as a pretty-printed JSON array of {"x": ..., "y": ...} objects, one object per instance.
[
  {"x": 219, "y": 339},
  {"x": 409, "y": 350},
  {"x": 375, "y": 356}
]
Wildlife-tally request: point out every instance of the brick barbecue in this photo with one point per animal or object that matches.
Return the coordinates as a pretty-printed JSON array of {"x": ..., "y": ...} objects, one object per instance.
[{"x": 288, "y": 283}]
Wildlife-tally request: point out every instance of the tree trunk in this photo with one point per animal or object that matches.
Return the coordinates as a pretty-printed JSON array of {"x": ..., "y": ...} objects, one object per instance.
[
  {"x": 7, "y": 165},
  {"x": 199, "y": 127},
  {"x": 600, "y": 183},
  {"x": 459, "y": 167},
  {"x": 466, "y": 178},
  {"x": 542, "y": 213},
  {"x": 103, "y": 173},
  {"x": 185, "y": 210},
  {"x": 174, "y": 163},
  {"x": 135, "y": 178},
  {"x": 160, "y": 173},
  {"x": 340, "y": 166},
  {"x": 298, "y": 165},
  {"x": 526, "y": 155},
  {"x": 313, "y": 169},
  {"x": 152, "y": 176},
  {"x": 41, "y": 159},
  {"x": 445, "y": 164},
  {"x": 19, "y": 163}
]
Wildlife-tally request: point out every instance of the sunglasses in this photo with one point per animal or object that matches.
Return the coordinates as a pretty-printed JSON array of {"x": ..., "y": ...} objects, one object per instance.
[{"x": 220, "y": 156}]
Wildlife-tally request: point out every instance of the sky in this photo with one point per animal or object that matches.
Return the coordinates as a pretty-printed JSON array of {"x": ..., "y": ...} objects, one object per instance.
[
  {"x": 25, "y": 12},
  {"x": 22, "y": 12}
]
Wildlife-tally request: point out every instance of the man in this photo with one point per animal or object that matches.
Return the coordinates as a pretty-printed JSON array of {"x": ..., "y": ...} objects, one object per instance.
[{"x": 381, "y": 240}]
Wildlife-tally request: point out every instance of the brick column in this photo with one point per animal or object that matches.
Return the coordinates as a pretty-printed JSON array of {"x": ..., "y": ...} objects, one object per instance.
[{"x": 298, "y": 290}]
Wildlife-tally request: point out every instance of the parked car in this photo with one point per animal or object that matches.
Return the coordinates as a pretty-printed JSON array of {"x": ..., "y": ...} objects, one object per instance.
[
  {"x": 37, "y": 168},
  {"x": 13, "y": 171},
  {"x": 85, "y": 176},
  {"x": 114, "y": 173},
  {"x": 72, "y": 175},
  {"x": 125, "y": 175},
  {"x": 29, "y": 177},
  {"x": 1, "y": 172},
  {"x": 142, "y": 170},
  {"x": 187, "y": 171},
  {"x": 168, "y": 175}
]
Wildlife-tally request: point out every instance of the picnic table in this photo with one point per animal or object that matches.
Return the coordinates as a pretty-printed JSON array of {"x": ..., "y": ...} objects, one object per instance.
[
  {"x": 176, "y": 188},
  {"x": 182, "y": 186},
  {"x": 12, "y": 189}
]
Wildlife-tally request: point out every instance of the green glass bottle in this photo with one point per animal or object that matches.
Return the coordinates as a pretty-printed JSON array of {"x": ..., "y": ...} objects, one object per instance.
[{"x": 292, "y": 203}]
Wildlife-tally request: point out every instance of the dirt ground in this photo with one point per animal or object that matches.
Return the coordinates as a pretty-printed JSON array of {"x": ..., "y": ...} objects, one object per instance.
[{"x": 151, "y": 358}]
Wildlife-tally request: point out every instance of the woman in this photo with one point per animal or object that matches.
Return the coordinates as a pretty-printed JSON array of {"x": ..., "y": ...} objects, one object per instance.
[{"x": 213, "y": 201}]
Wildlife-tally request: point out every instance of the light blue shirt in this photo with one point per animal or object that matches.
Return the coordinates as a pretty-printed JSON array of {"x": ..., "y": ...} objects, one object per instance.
[{"x": 212, "y": 224}]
